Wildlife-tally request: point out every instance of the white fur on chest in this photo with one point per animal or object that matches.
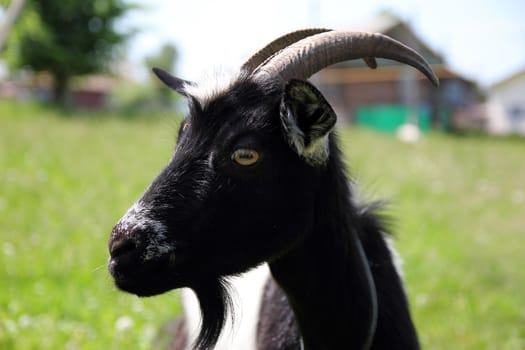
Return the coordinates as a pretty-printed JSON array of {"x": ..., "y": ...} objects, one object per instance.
[{"x": 247, "y": 293}]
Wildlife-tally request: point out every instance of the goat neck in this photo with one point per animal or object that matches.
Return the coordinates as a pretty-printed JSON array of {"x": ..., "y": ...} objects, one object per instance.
[{"x": 327, "y": 278}]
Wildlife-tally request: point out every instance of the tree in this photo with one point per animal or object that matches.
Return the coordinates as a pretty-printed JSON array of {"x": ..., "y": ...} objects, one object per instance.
[
  {"x": 69, "y": 38},
  {"x": 10, "y": 15}
]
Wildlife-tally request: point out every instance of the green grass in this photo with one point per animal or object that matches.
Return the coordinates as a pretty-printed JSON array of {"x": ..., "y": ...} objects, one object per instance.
[
  {"x": 64, "y": 182},
  {"x": 460, "y": 206}
]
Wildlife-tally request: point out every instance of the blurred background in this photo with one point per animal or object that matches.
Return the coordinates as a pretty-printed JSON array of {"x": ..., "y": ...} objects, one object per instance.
[{"x": 84, "y": 128}]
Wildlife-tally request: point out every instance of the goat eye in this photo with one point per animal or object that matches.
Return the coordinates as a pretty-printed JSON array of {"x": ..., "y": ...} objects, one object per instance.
[
  {"x": 245, "y": 157},
  {"x": 185, "y": 126}
]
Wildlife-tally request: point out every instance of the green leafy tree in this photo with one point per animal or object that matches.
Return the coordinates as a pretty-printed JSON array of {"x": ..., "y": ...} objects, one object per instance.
[{"x": 68, "y": 38}]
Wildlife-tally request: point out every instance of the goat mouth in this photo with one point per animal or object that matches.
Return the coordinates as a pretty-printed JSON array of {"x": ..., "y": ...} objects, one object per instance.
[{"x": 144, "y": 277}]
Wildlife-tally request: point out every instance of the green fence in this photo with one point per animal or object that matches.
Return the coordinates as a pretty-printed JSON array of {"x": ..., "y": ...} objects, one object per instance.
[{"x": 388, "y": 118}]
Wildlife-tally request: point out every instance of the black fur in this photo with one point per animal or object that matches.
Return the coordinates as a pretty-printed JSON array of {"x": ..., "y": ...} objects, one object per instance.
[
  {"x": 333, "y": 317},
  {"x": 223, "y": 219},
  {"x": 215, "y": 304}
]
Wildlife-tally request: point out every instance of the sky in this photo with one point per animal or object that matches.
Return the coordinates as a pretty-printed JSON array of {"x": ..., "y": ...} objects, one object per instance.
[{"x": 483, "y": 40}]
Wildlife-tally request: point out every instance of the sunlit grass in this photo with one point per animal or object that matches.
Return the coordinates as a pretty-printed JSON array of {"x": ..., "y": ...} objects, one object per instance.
[
  {"x": 63, "y": 184},
  {"x": 459, "y": 205}
]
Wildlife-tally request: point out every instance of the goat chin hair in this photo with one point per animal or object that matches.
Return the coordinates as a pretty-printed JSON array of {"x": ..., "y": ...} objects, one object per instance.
[{"x": 216, "y": 305}]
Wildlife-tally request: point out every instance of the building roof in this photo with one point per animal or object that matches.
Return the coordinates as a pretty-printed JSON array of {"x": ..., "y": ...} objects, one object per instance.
[
  {"x": 519, "y": 75},
  {"x": 393, "y": 26},
  {"x": 388, "y": 70},
  {"x": 379, "y": 24}
]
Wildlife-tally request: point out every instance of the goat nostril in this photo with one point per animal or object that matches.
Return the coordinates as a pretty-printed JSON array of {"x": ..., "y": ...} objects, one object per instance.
[{"x": 121, "y": 247}]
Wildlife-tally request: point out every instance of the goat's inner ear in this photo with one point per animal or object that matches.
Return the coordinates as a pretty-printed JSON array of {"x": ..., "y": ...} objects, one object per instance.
[{"x": 307, "y": 119}]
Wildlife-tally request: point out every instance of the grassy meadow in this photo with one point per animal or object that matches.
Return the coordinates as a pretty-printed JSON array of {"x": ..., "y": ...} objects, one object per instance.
[{"x": 65, "y": 180}]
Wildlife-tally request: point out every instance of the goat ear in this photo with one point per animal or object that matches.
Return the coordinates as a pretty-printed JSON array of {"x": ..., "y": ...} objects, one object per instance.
[
  {"x": 307, "y": 119},
  {"x": 174, "y": 83}
]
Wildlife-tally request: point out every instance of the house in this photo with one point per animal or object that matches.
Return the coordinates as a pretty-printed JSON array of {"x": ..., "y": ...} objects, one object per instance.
[
  {"x": 506, "y": 106},
  {"x": 395, "y": 94},
  {"x": 90, "y": 92}
]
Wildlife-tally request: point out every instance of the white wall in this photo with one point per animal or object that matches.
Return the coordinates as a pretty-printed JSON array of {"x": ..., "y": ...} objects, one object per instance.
[{"x": 506, "y": 108}]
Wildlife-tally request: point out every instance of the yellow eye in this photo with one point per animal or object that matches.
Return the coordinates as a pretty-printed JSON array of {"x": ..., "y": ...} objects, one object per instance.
[
  {"x": 185, "y": 126},
  {"x": 245, "y": 156}
]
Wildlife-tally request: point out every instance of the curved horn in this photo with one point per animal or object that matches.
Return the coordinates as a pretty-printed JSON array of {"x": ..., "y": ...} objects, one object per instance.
[
  {"x": 308, "y": 56},
  {"x": 277, "y": 45}
]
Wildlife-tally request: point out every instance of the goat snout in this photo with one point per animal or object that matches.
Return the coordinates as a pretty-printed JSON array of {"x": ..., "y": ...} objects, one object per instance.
[
  {"x": 124, "y": 239},
  {"x": 124, "y": 253},
  {"x": 139, "y": 237},
  {"x": 138, "y": 251},
  {"x": 121, "y": 247}
]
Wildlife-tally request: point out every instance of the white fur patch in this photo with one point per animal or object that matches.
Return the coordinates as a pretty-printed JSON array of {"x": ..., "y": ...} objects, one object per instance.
[
  {"x": 211, "y": 86},
  {"x": 359, "y": 198},
  {"x": 138, "y": 218},
  {"x": 396, "y": 258},
  {"x": 157, "y": 246},
  {"x": 247, "y": 295},
  {"x": 293, "y": 132},
  {"x": 317, "y": 152}
]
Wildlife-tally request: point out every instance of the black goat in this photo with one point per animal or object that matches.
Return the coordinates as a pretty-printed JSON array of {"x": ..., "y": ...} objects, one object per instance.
[{"x": 257, "y": 177}]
